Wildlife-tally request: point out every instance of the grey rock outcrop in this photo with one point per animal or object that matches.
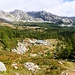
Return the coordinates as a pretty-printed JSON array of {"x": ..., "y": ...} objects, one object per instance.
[{"x": 21, "y": 48}]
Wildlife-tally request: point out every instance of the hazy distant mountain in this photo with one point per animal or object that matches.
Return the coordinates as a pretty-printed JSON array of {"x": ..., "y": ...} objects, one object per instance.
[
  {"x": 40, "y": 16},
  {"x": 46, "y": 16}
]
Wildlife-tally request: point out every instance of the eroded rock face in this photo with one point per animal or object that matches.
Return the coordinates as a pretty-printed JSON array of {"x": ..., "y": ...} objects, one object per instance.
[
  {"x": 2, "y": 67},
  {"x": 31, "y": 66}
]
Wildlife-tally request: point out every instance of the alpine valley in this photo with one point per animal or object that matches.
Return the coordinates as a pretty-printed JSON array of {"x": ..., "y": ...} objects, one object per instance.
[{"x": 36, "y": 43}]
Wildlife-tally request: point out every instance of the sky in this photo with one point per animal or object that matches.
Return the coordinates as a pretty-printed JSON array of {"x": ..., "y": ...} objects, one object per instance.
[{"x": 57, "y": 7}]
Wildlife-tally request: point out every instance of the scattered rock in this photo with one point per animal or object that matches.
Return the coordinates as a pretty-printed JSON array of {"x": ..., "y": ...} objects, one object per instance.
[
  {"x": 65, "y": 73},
  {"x": 16, "y": 73},
  {"x": 31, "y": 66},
  {"x": 60, "y": 62},
  {"x": 2, "y": 67},
  {"x": 33, "y": 55},
  {"x": 45, "y": 51},
  {"x": 14, "y": 65}
]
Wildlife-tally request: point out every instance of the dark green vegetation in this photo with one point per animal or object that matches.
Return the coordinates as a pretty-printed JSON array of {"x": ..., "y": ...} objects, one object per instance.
[
  {"x": 43, "y": 25},
  {"x": 7, "y": 38}
]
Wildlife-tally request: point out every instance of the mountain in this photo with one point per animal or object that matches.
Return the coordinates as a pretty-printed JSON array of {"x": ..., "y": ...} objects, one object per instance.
[
  {"x": 17, "y": 15},
  {"x": 40, "y": 16},
  {"x": 46, "y": 16},
  {"x": 23, "y": 16},
  {"x": 6, "y": 16}
]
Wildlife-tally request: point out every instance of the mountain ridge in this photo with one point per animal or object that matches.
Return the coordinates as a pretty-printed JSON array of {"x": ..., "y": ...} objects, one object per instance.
[{"x": 39, "y": 16}]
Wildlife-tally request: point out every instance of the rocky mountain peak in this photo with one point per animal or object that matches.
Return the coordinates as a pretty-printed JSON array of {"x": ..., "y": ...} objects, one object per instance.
[{"x": 17, "y": 12}]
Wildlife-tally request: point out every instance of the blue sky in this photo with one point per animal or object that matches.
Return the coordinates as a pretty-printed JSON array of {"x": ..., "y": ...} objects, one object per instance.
[
  {"x": 67, "y": 0},
  {"x": 58, "y": 7}
]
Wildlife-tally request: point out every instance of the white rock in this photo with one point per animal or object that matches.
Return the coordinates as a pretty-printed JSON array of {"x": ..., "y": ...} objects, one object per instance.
[
  {"x": 14, "y": 65},
  {"x": 31, "y": 66},
  {"x": 16, "y": 74},
  {"x": 60, "y": 62},
  {"x": 33, "y": 55},
  {"x": 21, "y": 48},
  {"x": 2, "y": 67}
]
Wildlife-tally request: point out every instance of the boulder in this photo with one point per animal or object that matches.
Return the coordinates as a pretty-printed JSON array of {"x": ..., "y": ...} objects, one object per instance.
[
  {"x": 31, "y": 66},
  {"x": 2, "y": 67}
]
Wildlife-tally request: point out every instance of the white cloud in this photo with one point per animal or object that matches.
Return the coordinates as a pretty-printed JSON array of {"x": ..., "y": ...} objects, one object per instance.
[
  {"x": 65, "y": 9},
  {"x": 59, "y": 7}
]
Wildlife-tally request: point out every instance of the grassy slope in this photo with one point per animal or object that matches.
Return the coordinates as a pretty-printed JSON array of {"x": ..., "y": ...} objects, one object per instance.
[{"x": 48, "y": 65}]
